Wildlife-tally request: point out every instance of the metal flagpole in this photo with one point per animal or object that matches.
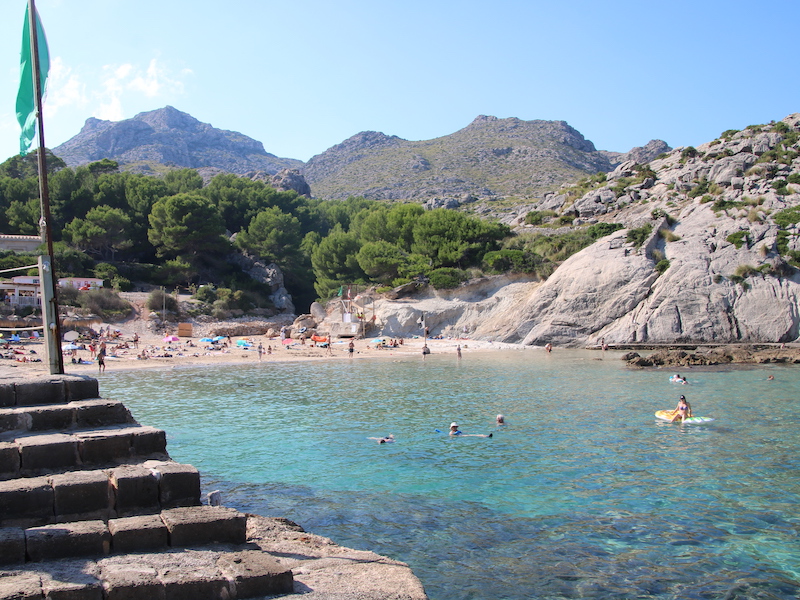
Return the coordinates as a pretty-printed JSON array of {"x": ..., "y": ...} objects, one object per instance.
[{"x": 50, "y": 318}]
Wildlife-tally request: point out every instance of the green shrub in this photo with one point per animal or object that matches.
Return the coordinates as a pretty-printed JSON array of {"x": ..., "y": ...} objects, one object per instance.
[
  {"x": 601, "y": 230},
  {"x": 729, "y": 133},
  {"x": 794, "y": 178},
  {"x": 781, "y": 127},
  {"x": 662, "y": 266},
  {"x": 638, "y": 235},
  {"x": 105, "y": 303},
  {"x": 446, "y": 278},
  {"x": 744, "y": 271},
  {"x": 565, "y": 219},
  {"x": 668, "y": 235},
  {"x": 701, "y": 188},
  {"x": 121, "y": 284},
  {"x": 159, "y": 300},
  {"x": 739, "y": 239},
  {"x": 787, "y": 217},
  {"x": 206, "y": 293},
  {"x": 537, "y": 217}
]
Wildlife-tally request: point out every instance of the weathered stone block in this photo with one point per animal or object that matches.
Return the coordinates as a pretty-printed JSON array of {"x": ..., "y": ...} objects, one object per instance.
[
  {"x": 131, "y": 582},
  {"x": 8, "y": 394},
  {"x": 200, "y": 525},
  {"x": 135, "y": 490},
  {"x": 256, "y": 573},
  {"x": 9, "y": 459},
  {"x": 20, "y": 585},
  {"x": 98, "y": 447},
  {"x": 12, "y": 545},
  {"x": 26, "y": 498},
  {"x": 100, "y": 412},
  {"x": 11, "y": 419},
  {"x": 81, "y": 492},
  {"x": 148, "y": 441},
  {"x": 191, "y": 584},
  {"x": 80, "y": 387},
  {"x": 138, "y": 534},
  {"x": 44, "y": 391},
  {"x": 70, "y": 580},
  {"x": 54, "y": 451},
  {"x": 67, "y": 540},
  {"x": 179, "y": 485},
  {"x": 50, "y": 418}
]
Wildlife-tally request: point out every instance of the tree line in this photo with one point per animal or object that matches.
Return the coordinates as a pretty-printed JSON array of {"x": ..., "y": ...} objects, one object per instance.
[{"x": 172, "y": 230}]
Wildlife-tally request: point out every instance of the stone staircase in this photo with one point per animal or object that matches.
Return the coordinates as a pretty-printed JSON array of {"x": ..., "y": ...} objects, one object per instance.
[{"x": 92, "y": 507}]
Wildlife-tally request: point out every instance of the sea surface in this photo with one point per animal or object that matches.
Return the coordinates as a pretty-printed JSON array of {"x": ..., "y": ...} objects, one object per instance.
[{"x": 582, "y": 494}]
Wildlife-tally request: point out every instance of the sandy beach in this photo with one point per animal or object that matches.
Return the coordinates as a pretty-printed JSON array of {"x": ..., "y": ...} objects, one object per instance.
[{"x": 190, "y": 351}]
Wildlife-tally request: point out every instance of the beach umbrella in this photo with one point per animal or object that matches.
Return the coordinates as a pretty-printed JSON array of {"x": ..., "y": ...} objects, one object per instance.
[
  {"x": 70, "y": 347},
  {"x": 206, "y": 340},
  {"x": 71, "y": 336},
  {"x": 171, "y": 338},
  {"x": 287, "y": 341},
  {"x": 244, "y": 343},
  {"x": 219, "y": 338}
]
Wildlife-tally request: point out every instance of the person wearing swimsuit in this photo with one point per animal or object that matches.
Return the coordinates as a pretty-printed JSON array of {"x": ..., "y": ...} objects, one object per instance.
[{"x": 682, "y": 411}]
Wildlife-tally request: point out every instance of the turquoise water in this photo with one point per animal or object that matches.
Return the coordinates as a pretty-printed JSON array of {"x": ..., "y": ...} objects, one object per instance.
[{"x": 583, "y": 494}]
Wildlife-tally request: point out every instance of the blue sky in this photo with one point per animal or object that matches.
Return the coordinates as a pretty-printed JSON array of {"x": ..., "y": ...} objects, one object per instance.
[{"x": 301, "y": 76}]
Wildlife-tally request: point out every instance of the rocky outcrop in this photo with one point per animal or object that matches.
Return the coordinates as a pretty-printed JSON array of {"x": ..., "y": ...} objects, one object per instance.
[
  {"x": 290, "y": 179},
  {"x": 269, "y": 274},
  {"x": 719, "y": 264}
]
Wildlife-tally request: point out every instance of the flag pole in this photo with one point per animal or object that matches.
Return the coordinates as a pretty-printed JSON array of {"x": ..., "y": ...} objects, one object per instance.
[{"x": 50, "y": 318}]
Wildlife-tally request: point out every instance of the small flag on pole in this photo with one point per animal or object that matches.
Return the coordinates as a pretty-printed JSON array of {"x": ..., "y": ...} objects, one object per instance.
[{"x": 26, "y": 97}]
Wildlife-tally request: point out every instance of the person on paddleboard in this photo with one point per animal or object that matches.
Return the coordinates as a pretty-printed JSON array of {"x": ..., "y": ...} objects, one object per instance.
[{"x": 683, "y": 411}]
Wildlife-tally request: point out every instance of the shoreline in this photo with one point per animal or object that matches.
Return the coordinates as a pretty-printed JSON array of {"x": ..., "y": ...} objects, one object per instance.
[{"x": 189, "y": 352}]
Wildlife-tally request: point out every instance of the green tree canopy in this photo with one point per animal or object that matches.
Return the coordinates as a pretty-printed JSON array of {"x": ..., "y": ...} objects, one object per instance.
[
  {"x": 103, "y": 232},
  {"x": 186, "y": 225},
  {"x": 274, "y": 236}
]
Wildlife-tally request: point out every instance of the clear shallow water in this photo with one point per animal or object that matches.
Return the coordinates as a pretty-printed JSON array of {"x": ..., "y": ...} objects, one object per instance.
[{"x": 581, "y": 495}]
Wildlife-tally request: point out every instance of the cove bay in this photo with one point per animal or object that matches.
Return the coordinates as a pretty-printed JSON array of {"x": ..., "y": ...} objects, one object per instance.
[{"x": 582, "y": 494}]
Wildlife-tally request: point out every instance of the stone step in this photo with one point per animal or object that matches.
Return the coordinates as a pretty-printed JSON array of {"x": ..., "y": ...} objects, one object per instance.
[
  {"x": 55, "y": 389},
  {"x": 189, "y": 575},
  {"x": 102, "y": 494},
  {"x": 30, "y": 454},
  {"x": 184, "y": 527},
  {"x": 77, "y": 414}
]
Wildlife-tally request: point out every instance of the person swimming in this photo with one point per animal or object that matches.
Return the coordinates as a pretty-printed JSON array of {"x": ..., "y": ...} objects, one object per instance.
[
  {"x": 389, "y": 439},
  {"x": 455, "y": 432}
]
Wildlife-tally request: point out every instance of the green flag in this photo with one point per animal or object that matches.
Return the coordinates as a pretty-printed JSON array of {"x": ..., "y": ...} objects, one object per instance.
[{"x": 26, "y": 97}]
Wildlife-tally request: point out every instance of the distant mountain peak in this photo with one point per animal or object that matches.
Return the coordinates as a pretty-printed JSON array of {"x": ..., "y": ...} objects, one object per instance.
[{"x": 169, "y": 136}]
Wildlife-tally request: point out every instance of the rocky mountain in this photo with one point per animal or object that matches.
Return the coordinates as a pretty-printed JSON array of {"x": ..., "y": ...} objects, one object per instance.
[
  {"x": 170, "y": 137},
  {"x": 488, "y": 159},
  {"x": 709, "y": 253},
  {"x": 491, "y": 158}
]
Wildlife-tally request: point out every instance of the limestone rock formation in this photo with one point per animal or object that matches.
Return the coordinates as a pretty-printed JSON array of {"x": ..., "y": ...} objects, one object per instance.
[
  {"x": 169, "y": 136},
  {"x": 720, "y": 263}
]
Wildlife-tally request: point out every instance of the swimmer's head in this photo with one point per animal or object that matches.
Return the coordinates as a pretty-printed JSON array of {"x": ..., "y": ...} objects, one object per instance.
[
  {"x": 501, "y": 419},
  {"x": 453, "y": 424}
]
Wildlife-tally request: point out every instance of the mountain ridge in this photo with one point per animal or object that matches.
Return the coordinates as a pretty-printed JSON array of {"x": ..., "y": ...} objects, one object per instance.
[{"x": 490, "y": 158}]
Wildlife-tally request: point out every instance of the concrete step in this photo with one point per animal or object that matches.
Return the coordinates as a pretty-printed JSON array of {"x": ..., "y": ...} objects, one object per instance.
[
  {"x": 30, "y": 454},
  {"x": 55, "y": 389},
  {"x": 95, "y": 412},
  {"x": 184, "y": 527},
  {"x": 102, "y": 494},
  {"x": 184, "y": 575}
]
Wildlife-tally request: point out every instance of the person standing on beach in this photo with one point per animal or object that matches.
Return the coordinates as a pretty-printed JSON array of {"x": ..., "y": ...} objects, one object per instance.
[
  {"x": 101, "y": 358},
  {"x": 260, "y": 351},
  {"x": 351, "y": 348},
  {"x": 458, "y": 351}
]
